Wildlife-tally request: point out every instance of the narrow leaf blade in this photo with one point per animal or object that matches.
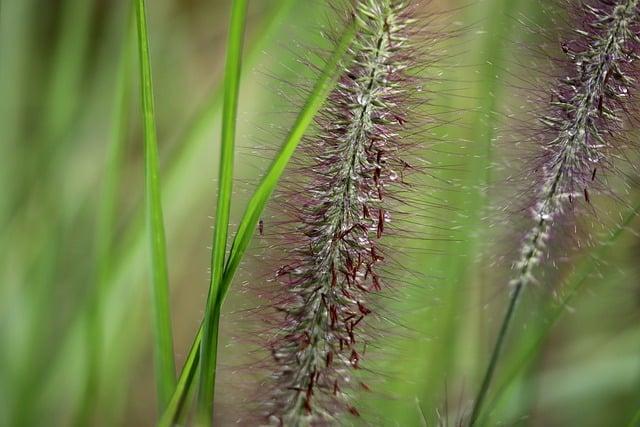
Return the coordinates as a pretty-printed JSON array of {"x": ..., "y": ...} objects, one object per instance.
[
  {"x": 208, "y": 355},
  {"x": 257, "y": 204},
  {"x": 163, "y": 341}
]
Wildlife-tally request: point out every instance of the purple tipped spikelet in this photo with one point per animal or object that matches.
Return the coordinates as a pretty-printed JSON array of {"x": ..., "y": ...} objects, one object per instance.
[
  {"x": 358, "y": 167},
  {"x": 585, "y": 119}
]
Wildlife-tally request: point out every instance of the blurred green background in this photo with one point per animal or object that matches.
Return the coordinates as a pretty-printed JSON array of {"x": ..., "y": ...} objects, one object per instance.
[{"x": 69, "y": 92}]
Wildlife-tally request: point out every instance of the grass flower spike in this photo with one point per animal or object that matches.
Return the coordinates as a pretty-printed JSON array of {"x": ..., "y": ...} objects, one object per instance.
[
  {"x": 585, "y": 120},
  {"x": 340, "y": 214},
  {"x": 584, "y": 129}
]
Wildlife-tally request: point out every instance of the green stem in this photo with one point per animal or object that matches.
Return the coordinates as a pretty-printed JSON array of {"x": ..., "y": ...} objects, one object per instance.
[
  {"x": 176, "y": 404},
  {"x": 497, "y": 348},
  {"x": 208, "y": 354},
  {"x": 165, "y": 364}
]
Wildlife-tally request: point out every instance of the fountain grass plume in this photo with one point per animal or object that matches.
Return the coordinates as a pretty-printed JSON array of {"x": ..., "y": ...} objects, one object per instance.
[
  {"x": 581, "y": 132},
  {"x": 340, "y": 203}
]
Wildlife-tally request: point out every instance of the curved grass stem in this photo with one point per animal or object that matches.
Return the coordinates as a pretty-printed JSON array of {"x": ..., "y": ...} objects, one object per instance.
[
  {"x": 556, "y": 309},
  {"x": 495, "y": 354}
]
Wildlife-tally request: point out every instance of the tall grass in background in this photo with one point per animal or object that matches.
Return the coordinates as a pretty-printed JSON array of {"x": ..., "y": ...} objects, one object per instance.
[
  {"x": 75, "y": 310},
  {"x": 106, "y": 224}
]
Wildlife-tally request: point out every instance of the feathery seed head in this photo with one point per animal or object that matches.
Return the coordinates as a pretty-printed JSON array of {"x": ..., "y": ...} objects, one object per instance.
[
  {"x": 585, "y": 119},
  {"x": 345, "y": 207}
]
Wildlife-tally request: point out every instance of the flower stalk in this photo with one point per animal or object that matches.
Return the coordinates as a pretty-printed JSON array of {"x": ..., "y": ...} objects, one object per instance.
[{"x": 585, "y": 123}]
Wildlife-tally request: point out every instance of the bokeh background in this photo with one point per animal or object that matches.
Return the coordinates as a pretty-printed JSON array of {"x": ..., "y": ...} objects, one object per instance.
[{"x": 63, "y": 64}]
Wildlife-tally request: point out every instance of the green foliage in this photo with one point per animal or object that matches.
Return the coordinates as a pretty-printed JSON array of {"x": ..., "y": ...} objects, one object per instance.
[{"x": 75, "y": 329}]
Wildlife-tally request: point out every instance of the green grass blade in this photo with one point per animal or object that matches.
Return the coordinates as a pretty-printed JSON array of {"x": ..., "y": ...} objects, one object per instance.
[
  {"x": 176, "y": 404},
  {"x": 199, "y": 124},
  {"x": 106, "y": 225},
  {"x": 190, "y": 141},
  {"x": 258, "y": 202},
  {"x": 124, "y": 265},
  {"x": 165, "y": 365},
  {"x": 233, "y": 68}
]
